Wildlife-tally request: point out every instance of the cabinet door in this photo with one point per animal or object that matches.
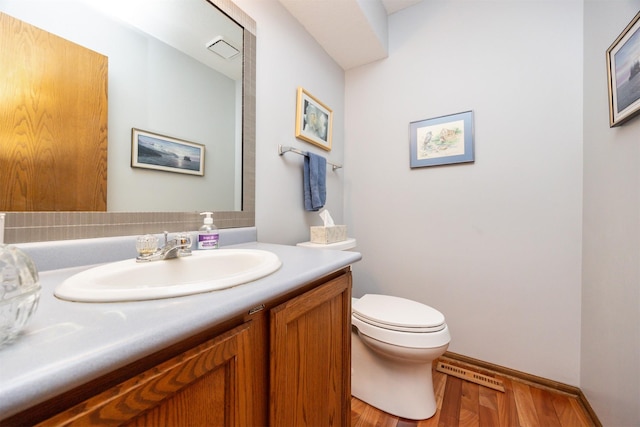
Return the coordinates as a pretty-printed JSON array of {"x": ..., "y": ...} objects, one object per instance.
[
  {"x": 209, "y": 385},
  {"x": 311, "y": 357}
]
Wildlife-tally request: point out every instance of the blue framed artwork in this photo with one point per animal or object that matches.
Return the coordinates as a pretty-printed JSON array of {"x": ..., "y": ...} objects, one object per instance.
[{"x": 442, "y": 140}]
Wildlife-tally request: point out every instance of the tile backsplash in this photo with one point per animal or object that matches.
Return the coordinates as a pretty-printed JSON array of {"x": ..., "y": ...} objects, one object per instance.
[{"x": 23, "y": 227}]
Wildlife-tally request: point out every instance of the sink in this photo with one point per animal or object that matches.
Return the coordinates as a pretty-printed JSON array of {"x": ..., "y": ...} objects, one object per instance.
[{"x": 203, "y": 271}]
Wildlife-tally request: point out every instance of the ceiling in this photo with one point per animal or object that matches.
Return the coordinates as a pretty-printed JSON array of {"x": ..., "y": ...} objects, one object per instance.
[
  {"x": 352, "y": 32},
  {"x": 393, "y": 6},
  {"x": 187, "y": 25}
]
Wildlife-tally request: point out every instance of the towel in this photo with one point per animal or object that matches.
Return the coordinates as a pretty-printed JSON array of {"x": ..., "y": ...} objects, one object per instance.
[{"x": 315, "y": 186}]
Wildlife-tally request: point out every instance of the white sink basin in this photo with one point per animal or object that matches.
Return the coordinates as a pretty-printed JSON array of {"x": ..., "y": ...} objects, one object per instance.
[{"x": 203, "y": 271}]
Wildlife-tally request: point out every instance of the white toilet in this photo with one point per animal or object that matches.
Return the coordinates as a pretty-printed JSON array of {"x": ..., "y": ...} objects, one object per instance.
[{"x": 393, "y": 344}]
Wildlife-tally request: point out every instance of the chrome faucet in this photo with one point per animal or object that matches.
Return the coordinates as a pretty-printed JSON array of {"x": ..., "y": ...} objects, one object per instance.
[{"x": 147, "y": 247}]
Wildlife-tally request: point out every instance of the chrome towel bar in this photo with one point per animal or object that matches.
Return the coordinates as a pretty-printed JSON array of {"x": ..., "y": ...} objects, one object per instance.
[{"x": 285, "y": 149}]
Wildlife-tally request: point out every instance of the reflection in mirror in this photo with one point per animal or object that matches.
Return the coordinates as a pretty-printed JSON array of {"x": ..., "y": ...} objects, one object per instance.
[
  {"x": 160, "y": 80},
  {"x": 187, "y": 118}
]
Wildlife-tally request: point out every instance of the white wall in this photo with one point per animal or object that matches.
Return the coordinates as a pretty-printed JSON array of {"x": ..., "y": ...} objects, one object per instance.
[
  {"x": 288, "y": 57},
  {"x": 610, "y": 374},
  {"x": 494, "y": 245}
]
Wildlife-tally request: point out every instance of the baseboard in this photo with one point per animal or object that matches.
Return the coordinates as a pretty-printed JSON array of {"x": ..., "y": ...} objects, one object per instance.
[{"x": 490, "y": 368}]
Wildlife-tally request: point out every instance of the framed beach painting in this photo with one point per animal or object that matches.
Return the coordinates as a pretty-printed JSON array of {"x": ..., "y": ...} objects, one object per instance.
[
  {"x": 442, "y": 140},
  {"x": 314, "y": 120},
  {"x": 623, "y": 74},
  {"x": 164, "y": 153}
]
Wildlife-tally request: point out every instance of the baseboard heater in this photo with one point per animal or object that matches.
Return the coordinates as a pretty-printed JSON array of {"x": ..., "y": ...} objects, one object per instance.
[{"x": 469, "y": 375}]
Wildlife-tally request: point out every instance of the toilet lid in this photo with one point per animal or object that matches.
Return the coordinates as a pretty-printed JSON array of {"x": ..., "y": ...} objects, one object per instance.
[{"x": 398, "y": 314}]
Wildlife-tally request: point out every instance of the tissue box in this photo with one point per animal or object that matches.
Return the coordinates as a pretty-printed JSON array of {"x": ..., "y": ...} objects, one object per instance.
[{"x": 330, "y": 234}]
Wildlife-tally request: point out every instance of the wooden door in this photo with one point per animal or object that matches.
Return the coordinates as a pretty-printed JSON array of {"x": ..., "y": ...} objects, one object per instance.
[
  {"x": 53, "y": 122},
  {"x": 311, "y": 357}
]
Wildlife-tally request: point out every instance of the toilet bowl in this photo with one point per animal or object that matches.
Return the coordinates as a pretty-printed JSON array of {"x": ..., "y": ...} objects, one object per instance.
[{"x": 393, "y": 344}]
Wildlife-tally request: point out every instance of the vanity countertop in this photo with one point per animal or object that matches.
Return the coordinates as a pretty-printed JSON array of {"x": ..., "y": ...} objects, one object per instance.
[{"x": 67, "y": 344}]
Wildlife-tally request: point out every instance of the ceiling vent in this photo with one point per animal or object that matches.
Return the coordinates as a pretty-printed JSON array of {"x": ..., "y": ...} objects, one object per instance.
[{"x": 222, "y": 47}]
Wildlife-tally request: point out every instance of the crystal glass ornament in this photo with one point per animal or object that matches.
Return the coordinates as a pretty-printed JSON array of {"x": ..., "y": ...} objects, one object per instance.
[{"x": 19, "y": 292}]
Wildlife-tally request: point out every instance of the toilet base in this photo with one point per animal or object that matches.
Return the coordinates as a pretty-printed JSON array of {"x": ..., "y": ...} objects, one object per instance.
[{"x": 393, "y": 386}]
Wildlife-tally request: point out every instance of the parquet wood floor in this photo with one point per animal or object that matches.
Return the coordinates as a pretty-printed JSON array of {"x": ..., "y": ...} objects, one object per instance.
[{"x": 465, "y": 404}]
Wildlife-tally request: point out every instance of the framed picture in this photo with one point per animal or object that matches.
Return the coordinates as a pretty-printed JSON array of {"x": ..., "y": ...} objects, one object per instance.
[
  {"x": 623, "y": 73},
  {"x": 314, "y": 120},
  {"x": 163, "y": 153},
  {"x": 442, "y": 140}
]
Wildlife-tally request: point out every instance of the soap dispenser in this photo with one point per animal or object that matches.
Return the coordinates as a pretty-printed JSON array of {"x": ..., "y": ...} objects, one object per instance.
[{"x": 208, "y": 234}]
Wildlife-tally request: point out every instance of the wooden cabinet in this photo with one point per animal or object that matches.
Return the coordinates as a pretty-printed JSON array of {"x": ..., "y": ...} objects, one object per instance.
[
  {"x": 311, "y": 357},
  {"x": 210, "y": 385},
  {"x": 286, "y": 364}
]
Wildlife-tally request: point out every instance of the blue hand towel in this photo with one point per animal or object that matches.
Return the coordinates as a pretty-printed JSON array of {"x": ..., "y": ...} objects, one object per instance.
[{"x": 315, "y": 186}]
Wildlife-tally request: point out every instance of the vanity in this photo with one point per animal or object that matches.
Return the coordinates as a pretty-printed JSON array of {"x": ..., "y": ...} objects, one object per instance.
[{"x": 275, "y": 351}]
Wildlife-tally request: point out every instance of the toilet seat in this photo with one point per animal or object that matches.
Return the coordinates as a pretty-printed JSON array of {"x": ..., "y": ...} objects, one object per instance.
[
  {"x": 400, "y": 322},
  {"x": 398, "y": 314}
]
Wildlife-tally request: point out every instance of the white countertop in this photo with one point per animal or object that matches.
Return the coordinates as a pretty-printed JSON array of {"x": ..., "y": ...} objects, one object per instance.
[{"x": 67, "y": 344}]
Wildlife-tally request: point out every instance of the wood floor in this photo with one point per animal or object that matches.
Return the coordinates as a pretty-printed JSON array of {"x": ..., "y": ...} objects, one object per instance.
[{"x": 462, "y": 403}]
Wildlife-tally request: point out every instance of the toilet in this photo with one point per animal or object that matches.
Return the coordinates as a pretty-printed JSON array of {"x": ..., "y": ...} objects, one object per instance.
[{"x": 394, "y": 342}]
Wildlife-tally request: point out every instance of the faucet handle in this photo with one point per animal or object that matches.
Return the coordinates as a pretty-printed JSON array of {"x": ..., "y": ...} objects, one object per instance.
[
  {"x": 147, "y": 244},
  {"x": 184, "y": 239}
]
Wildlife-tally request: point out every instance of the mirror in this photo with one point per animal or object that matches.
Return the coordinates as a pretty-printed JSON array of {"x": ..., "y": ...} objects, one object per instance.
[{"x": 231, "y": 167}]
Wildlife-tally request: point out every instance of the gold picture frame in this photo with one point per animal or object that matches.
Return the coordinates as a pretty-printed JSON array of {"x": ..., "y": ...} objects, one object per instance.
[{"x": 314, "y": 120}]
